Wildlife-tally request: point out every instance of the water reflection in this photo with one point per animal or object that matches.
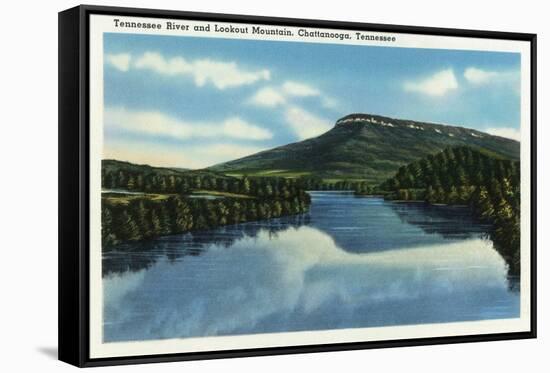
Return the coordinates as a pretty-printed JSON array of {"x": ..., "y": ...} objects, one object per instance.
[
  {"x": 451, "y": 222},
  {"x": 141, "y": 255},
  {"x": 350, "y": 262},
  {"x": 363, "y": 224},
  {"x": 301, "y": 280},
  {"x": 357, "y": 224}
]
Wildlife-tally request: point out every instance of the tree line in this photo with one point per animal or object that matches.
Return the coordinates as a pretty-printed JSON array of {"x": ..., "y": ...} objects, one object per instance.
[
  {"x": 142, "y": 218},
  {"x": 187, "y": 181},
  {"x": 128, "y": 217},
  {"x": 462, "y": 175}
]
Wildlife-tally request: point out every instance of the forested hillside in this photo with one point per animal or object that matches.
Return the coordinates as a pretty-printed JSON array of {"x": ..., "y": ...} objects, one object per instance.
[
  {"x": 462, "y": 175},
  {"x": 141, "y": 202}
]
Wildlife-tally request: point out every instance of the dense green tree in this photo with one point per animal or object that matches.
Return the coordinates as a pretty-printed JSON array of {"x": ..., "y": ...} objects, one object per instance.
[
  {"x": 107, "y": 235},
  {"x": 128, "y": 228},
  {"x": 465, "y": 176}
]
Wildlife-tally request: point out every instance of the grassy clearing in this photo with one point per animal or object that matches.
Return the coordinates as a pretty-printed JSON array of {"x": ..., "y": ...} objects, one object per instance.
[
  {"x": 220, "y": 194},
  {"x": 270, "y": 173},
  {"x": 351, "y": 180},
  {"x": 124, "y": 199}
]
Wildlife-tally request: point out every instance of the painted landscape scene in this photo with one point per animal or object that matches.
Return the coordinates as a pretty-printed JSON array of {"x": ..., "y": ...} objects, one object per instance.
[{"x": 256, "y": 186}]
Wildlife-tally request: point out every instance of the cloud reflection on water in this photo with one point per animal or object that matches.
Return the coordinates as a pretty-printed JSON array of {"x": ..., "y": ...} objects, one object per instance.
[{"x": 301, "y": 279}]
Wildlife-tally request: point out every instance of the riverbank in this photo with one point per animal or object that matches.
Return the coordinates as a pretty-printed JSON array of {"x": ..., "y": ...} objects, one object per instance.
[
  {"x": 134, "y": 217},
  {"x": 504, "y": 232}
]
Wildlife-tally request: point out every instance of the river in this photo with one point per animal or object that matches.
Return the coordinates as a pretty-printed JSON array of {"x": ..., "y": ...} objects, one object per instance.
[{"x": 350, "y": 262}]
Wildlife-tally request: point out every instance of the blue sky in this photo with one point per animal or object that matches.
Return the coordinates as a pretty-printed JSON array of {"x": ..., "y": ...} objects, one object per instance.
[{"x": 193, "y": 102}]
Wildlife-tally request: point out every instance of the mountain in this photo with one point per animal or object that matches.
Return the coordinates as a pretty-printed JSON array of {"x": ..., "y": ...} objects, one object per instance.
[{"x": 367, "y": 147}]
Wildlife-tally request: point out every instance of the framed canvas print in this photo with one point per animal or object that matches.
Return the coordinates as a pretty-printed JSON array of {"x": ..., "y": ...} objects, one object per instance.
[{"x": 237, "y": 186}]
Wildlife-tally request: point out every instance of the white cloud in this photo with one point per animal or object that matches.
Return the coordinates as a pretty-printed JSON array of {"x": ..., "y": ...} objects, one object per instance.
[
  {"x": 292, "y": 88},
  {"x": 508, "y": 132},
  {"x": 478, "y": 76},
  {"x": 273, "y": 96},
  {"x": 269, "y": 97},
  {"x": 304, "y": 123},
  {"x": 236, "y": 127},
  {"x": 330, "y": 103},
  {"x": 187, "y": 156},
  {"x": 119, "y": 61},
  {"x": 438, "y": 84},
  {"x": 158, "y": 124},
  {"x": 219, "y": 73}
]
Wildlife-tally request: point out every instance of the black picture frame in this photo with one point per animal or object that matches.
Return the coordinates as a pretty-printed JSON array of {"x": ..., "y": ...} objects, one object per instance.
[{"x": 74, "y": 186}]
